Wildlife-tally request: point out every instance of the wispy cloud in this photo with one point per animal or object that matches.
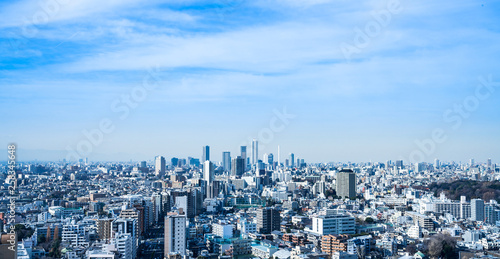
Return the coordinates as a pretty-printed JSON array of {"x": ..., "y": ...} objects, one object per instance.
[{"x": 232, "y": 57}]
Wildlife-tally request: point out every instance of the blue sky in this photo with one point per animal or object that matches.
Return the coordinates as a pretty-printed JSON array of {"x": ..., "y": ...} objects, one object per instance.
[{"x": 223, "y": 67}]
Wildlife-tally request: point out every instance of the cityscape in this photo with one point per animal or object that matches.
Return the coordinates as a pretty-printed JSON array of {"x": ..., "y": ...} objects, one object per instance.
[
  {"x": 262, "y": 129},
  {"x": 252, "y": 205}
]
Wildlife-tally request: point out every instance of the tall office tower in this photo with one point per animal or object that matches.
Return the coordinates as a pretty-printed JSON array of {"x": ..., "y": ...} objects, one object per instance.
[
  {"x": 143, "y": 164},
  {"x": 208, "y": 172},
  {"x": 346, "y": 183},
  {"x": 270, "y": 159},
  {"x": 436, "y": 163},
  {"x": 477, "y": 209},
  {"x": 489, "y": 162},
  {"x": 268, "y": 220},
  {"x": 399, "y": 164},
  {"x": 292, "y": 159},
  {"x": 174, "y": 161},
  {"x": 244, "y": 156},
  {"x": 238, "y": 166},
  {"x": 255, "y": 151},
  {"x": 175, "y": 234},
  {"x": 160, "y": 166},
  {"x": 419, "y": 167},
  {"x": 260, "y": 169},
  {"x": 206, "y": 154},
  {"x": 471, "y": 163},
  {"x": 226, "y": 161},
  {"x": 264, "y": 158}
]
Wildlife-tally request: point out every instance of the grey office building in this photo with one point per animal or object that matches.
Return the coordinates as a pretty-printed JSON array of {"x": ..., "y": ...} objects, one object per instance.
[
  {"x": 346, "y": 184},
  {"x": 477, "y": 209},
  {"x": 226, "y": 161},
  {"x": 206, "y": 154}
]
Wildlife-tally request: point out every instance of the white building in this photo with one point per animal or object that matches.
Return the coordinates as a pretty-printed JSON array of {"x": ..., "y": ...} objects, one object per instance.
[
  {"x": 160, "y": 166},
  {"x": 75, "y": 235},
  {"x": 333, "y": 223},
  {"x": 222, "y": 230},
  {"x": 124, "y": 243},
  {"x": 208, "y": 172},
  {"x": 247, "y": 227},
  {"x": 415, "y": 232},
  {"x": 175, "y": 234}
]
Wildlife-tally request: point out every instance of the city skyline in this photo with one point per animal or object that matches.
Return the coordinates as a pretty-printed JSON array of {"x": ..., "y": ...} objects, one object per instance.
[{"x": 213, "y": 73}]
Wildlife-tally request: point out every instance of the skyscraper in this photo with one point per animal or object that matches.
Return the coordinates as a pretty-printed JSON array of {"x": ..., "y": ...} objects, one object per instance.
[
  {"x": 255, "y": 151},
  {"x": 436, "y": 163},
  {"x": 226, "y": 161},
  {"x": 244, "y": 156},
  {"x": 238, "y": 166},
  {"x": 489, "y": 162},
  {"x": 292, "y": 160},
  {"x": 208, "y": 172},
  {"x": 160, "y": 166},
  {"x": 206, "y": 154},
  {"x": 175, "y": 234},
  {"x": 399, "y": 164},
  {"x": 268, "y": 220},
  {"x": 270, "y": 159},
  {"x": 346, "y": 183}
]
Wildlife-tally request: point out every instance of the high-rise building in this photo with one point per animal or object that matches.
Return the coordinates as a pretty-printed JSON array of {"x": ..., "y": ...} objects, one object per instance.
[
  {"x": 260, "y": 169},
  {"x": 174, "y": 161},
  {"x": 208, "y": 172},
  {"x": 419, "y": 167},
  {"x": 346, "y": 183},
  {"x": 399, "y": 164},
  {"x": 238, "y": 166},
  {"x": 490, "y": 214},
  {"x": 244, "y": 156},
  {"x": 215, "y": 189},
  {"x": 472, "y": 163},
  {"x": 489, "y": 162},
  {"x": 175, "y": 234},
  {"x": 255, "y": 151},
  {"x": 226, "y": 161},
  {"x": 206, "y": 154},
  {"x": 436, "y": 163},
  {"x": 268, "y": 220},
  {"x": 292, "y": 159},
  {"x": 126, "y": 226},
  {"x": 477, "y": 210},
  {"x": 160, "y": 166},
  {"x": 270, "y": 159}
]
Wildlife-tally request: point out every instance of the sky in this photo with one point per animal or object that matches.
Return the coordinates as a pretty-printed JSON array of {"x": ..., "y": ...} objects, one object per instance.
[{"x": 329, "y": 80}]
